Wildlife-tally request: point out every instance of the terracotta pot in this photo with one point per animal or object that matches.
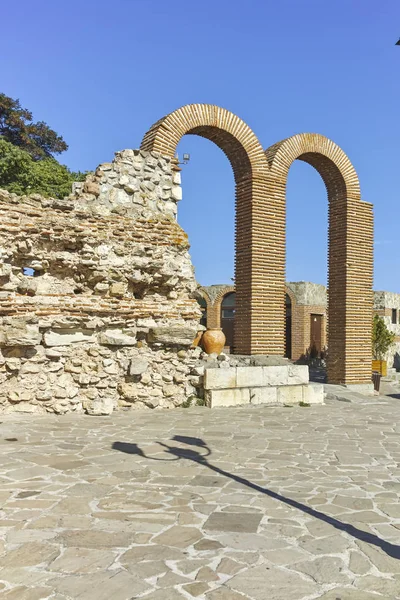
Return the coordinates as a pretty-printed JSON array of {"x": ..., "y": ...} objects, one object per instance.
[
  {"x": 213, "y": 340},
  {"x": 197, "y": 339}
]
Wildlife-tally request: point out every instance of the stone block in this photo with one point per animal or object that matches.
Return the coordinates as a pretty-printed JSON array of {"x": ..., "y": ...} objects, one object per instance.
[
  {"x": 128, "y": 391},
  {"x": 290, "y": 394},
  {"x": 177, "y": 193},
  {"x": 232, "y": 397},
  {"x": 276, "y": 375},
  {"x": 298, "y": 374},
  {"x": 98, "y": 406},
  {"x": 175, "y": 335},
  {"x": 219, "y": 379},
  {"x": 138, "y": 366},
  {"x": 19, "y": 333},
  {"x": 263, "y": 395},
  {"x": 313, "y": 393},
  {"x": 5, "y": 270},
  {"x": 249, "y": 377},
  {"x": 176, "y": 178},
  {"x": 117, "y": 337},
  {"x": 118, "y": 289},
  {"x": 90, "y": 187},
  {"x": 264, "y": 360},
  {"x": 65, "y": 337}
]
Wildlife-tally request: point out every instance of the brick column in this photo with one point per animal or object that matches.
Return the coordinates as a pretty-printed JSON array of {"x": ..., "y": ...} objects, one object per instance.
[
  {"x": 350, "y": 296},
  {"x": 260, "y": 268},
  {"x": 214, "y": 315}
]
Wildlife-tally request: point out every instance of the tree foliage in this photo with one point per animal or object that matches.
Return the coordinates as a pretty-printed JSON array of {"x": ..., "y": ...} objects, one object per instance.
[
  {"x": 382, "y": 338},
  {"x": 20, "y": 174},
  {"x": 27, "y": 164},
  {"x": 18, "y": 128}
]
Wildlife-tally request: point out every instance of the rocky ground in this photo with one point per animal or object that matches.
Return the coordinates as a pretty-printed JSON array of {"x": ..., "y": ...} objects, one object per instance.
[{"x": 252, "y": 503}]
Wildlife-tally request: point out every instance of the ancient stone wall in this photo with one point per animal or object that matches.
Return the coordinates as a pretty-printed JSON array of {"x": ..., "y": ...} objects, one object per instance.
[
  {"x": 96, "y": 307},
  {"x": 384, "y": 304},
  {"x": 308, "y": 294}
]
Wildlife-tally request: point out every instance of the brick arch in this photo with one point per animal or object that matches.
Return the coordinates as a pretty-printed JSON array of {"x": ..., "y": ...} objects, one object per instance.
[
  {"x": 291, "y": 295},
  {"x": 255, "y": 331},
  {"x": 325, "y": 156},
  {"x": 218, "y": 125},
  {"x": 201, "y": 292},
  {"x": 227, "y": 290},
  {"x": 350, "y": 255},
  {"x": 214, "y": 314}
]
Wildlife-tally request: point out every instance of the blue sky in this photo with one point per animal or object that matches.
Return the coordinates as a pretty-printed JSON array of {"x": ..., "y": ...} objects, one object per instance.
[{"x": 100, "y": 73}]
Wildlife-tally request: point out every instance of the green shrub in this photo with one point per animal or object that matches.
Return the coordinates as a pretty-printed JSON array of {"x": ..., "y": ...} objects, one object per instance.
[{"x": 382, "y": 338}]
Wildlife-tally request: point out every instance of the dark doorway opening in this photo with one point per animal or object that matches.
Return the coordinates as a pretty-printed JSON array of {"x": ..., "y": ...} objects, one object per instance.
[
  {"x": 228, "y": 318},
  {"x": 316, "y": 334},
  {"x": 288, "y": 326},
  {"x": 203, "y": 305}
]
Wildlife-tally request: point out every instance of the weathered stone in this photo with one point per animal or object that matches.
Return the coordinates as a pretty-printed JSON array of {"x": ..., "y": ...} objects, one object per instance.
[
  {"x": 117, "y": 337},
  {"x": 228, "y": 397},
  {"x": 68, "y": 336},
  {"x": 242, "y": 522},
  {"x": 359, "y": 563},
  {"x": 138, "y": 366},
  {"x": 118, "y": 289},
  {"x": 82, "y": 560},
  {"x": 263, "y": 395},
  {"x": 98, "y": 406},
  {"x": 109, "y": 261},
  {"x": 179, "y": 537},
  {"x": 273, "y": 583},
  {"x": 19, "y": 333},
  {"x": 174, "y": 335},
  {"x": 290, "y": 394},
  {"x": 326, "y": 569},
  {"x": 91, "y": 187},
  {"x": 102, "y": 585},
  {"x": 95, "y": 539},
  {"x": 129, "y": 391},
  {"x": 268, "y": 361},
  {"x": 219, "y": 379},
  {"x": 30, "y": 554},
  {"x": 249, "y": 377}
]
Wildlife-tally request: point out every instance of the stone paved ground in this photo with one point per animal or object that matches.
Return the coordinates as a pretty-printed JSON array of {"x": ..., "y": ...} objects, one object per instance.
[{"x": 261, "y": 503}]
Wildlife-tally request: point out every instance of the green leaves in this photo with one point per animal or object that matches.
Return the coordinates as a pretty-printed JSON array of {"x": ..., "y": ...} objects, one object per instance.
[
  {"x": 17, "y": 127},
  {"x": 382, "y": 338},
  {"x": 27, "y": 164},
  {"x": 21, "y": 174}
]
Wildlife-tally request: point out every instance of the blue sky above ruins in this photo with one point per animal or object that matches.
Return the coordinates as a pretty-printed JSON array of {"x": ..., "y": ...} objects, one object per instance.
[{"x": 101, "y": 73}]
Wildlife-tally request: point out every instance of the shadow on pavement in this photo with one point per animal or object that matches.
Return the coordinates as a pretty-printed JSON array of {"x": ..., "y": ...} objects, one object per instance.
[{"x": 177, "y": 453}]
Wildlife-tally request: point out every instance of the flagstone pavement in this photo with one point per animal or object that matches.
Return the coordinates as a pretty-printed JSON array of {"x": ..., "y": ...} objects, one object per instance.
[{"x": 252, "y": 503}]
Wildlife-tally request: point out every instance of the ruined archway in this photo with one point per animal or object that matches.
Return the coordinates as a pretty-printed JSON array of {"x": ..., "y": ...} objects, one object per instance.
[
  {"x": 350, "y": 254},
  {"x": 258, "y": 320}
]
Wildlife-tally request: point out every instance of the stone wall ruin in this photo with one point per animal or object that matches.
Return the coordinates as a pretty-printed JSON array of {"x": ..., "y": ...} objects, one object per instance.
[{"x": 96, "y": 307}]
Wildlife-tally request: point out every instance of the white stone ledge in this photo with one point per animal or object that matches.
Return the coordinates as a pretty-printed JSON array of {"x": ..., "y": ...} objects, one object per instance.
[
  {"x": 285, "y": 394},
  {"x": 253, "y": 377}
]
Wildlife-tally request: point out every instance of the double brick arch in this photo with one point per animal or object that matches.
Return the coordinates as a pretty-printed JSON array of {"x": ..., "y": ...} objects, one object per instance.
[{"x": 260, "y": 179}]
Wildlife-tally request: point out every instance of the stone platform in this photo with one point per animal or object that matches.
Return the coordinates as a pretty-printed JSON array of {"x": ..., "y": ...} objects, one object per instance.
[{"x": 273, "y": 384}]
